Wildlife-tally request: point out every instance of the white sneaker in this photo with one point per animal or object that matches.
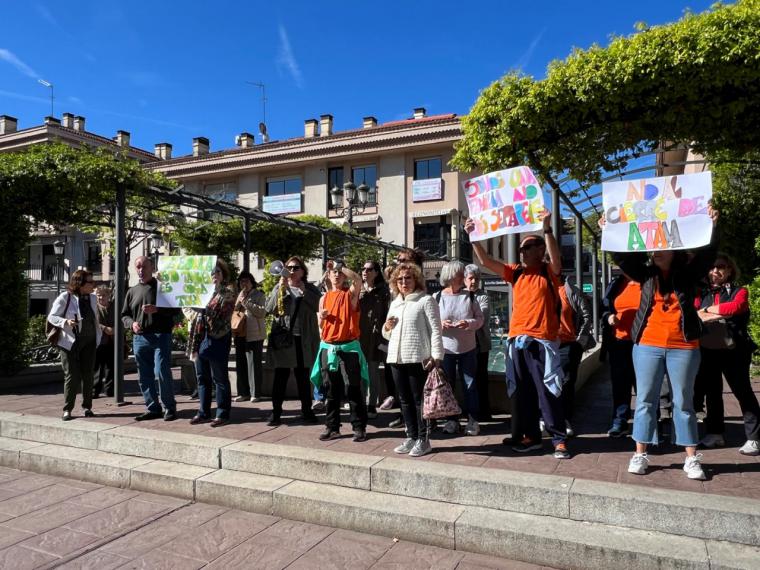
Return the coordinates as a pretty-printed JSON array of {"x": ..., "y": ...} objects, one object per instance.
[
  {"x": 638, "y": 464},
  {"x": 472, "y": 427},
  {"x": 452, "y": 426},
  {"x": 712, "y": 440},
  {"x": 406, "y": 446},
  {"x": 421, "y": 447},
  {"x": 346, "y": 406},
  {"x": 569, "y": 429},
  {"x": 387, "y": 403},
  {"x": 752, "y": 447},
  {"x": 67, "y": 416},
  {"x": 542, "y": 427},
  {"x": 319, "y": 406},
  {"x": 693, "y": 467}
]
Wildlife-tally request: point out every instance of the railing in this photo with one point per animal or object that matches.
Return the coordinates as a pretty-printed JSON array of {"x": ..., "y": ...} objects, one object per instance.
[
  {"x": 47, "y": 272},
  {"x": 438, "y": 247}
]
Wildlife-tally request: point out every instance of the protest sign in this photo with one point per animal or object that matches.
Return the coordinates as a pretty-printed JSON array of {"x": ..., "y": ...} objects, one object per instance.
[
  {"x": 504, "y": 202},
  {"x": 185, "y": 280},
  {"x": 653, "y": 214}
]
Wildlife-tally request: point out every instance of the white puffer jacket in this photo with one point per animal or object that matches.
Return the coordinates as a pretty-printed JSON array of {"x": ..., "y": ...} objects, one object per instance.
[{"x": 417, "y": 334}]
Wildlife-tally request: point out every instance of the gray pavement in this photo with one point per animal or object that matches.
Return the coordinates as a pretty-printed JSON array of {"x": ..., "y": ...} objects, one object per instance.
[{"x": 53, "y": 522}]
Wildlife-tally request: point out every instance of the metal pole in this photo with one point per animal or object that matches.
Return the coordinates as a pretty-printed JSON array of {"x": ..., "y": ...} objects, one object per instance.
[
  {"x": 578, "y": 253},
  {"x": 119, "y": 293},
  {"x": 595, "y": 289},
  {"x": 604, "y": 272},
  {"x": 324, "y": 252},
  {"x": 385, "y": 257},
  {"x": 247, "y": 244},
  {"x": 556, "y": 218},
  {"x": 58, "y": 271}
]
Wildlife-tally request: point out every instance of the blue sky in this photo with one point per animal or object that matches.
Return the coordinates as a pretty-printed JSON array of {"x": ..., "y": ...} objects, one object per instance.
[{"x": 171, "y": 71}]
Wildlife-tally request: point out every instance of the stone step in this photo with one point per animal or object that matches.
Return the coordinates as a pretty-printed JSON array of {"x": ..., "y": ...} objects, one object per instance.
[
  {"x": 121, "y": 449},
  {"x": 537, "y": 538}
]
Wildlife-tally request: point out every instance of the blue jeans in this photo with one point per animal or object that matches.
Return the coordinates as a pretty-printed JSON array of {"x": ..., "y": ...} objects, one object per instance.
[
  {"x": 213, "y": 370},
  {"x": 153, "y": 354},
  {"x": 467, "y": 362},
  {"x": 650, "y": 363}
]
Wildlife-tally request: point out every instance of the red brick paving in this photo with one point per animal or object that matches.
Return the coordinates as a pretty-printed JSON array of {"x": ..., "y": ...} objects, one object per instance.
[
  {"x": 141, "y": 530},
  {"x": 596, "y": 456}
]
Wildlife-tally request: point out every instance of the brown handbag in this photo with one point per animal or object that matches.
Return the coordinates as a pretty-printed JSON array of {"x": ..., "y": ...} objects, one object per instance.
[{"x": 238, "y": 323}]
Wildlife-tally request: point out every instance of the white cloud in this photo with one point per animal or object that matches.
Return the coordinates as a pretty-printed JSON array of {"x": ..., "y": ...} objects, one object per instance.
[
  {"x": 10, "y": 57},
  {"x": 287, "y": 59},
  {"x": 525, "y": 58},
  {"x": 144, "y": 78},
  {"x": 74, "y": 100},
  {"x": 46, "y": 15},
  {"x": 23, "y": 97}
]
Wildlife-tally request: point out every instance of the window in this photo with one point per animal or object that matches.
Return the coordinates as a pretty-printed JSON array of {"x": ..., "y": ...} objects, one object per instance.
[
  {"x": 427, "y": 168},
  {"x": 94, "y": 256},
  {"x": 366, "y": 175},
  {"x": 334, "y": 178},
  {"x": 225, "y": 192},
  {"x": 283, "y": 186},
  {"x": 433, "y": 237}
]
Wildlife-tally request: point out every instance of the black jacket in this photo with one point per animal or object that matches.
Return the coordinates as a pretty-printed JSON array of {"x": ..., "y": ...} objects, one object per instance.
[
  {"x": 737, "y": 324},
  {"x": 683, "y": 280}
]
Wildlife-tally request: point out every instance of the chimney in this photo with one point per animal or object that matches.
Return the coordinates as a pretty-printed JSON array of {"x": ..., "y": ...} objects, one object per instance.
[
  {"x": 245, "y": 140},
  {"x": 325, "y": 125},
  {"x": 79, "y": 123},
  {"x": 163, "y": 151},
  {"x": 50, "y": 120},
  {"x": 8, "y": 124},
  {"x": 200, "y": 146},
  {"x": 310, "y": 128},
  {"x": 369, "y": 122},
  {"x": 68, "y": 120},
  {"x": 122, "y": 139},
  {"x": 419, "y": 113}
]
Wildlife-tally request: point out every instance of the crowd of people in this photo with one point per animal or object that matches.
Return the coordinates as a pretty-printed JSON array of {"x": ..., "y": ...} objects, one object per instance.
[{"x": 671, "y": 318}]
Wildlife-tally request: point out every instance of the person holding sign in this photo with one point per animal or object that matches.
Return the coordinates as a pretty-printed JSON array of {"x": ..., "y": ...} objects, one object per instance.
[
  {"x": 534, "y": 369},
  {"x": 665, "y": 333},
  {"x": 152, "y": 342}
]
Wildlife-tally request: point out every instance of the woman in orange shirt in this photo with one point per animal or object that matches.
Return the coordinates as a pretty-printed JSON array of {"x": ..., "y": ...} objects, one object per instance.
[{"x": 665, "y": 332}]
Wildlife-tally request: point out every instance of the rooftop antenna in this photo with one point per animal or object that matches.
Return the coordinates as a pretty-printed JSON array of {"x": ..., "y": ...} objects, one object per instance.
[
  {"x": 264, "y": 135},
  {"x": 52, "y": 98}
]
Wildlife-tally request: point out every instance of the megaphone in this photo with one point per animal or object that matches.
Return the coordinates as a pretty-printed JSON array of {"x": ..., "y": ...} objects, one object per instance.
[{"x": 278, "y": 269}]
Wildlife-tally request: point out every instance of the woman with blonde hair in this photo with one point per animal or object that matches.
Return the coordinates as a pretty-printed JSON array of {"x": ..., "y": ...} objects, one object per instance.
[{"x": 413, "y": 331}]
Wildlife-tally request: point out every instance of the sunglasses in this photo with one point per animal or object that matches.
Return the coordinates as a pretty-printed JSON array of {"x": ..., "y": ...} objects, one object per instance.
[
  {"x": 720, "y": 266},
  {"x": 293, "y": 267},
  {"x": 530, "y": 245},
  {"x": 368, "y": 268}
]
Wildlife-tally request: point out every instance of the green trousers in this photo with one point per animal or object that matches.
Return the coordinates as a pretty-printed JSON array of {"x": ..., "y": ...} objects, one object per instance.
[{"x": 78, "y": 371}]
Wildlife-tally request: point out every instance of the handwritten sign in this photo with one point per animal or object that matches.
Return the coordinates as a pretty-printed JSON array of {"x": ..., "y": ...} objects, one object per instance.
[
  {"x": 653, "y": 214},
  {"x": 185, "y": 280},
  {"x": 504, "y": 202}
]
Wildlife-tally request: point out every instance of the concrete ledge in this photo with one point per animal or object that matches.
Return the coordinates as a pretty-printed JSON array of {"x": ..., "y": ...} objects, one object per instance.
[
  {"x": 10, "y": 451},
  {"x": 239, "y": 490},
  {"x": 678, "y": 512},
  {"x": 426, "y": 522},
  {"x": 730, "y": 556},
  {"x": 562, "y": 543},
  {"x": 493, "y": 488},
  {"x": 318, "y": 465},
  {"x": 83, "y": 464},
  {"x": 52, "y": 430},
  {"x": 167, "y": 478},
  {"x": 164, "y": 445}
]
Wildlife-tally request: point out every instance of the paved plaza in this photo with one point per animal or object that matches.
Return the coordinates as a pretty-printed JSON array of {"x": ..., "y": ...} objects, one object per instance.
[
  {"x": 595, "y": 456},
  {"x": 53, "y": 522}
]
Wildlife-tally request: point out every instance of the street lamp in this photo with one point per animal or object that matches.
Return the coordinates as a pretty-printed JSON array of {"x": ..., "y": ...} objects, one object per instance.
[
  {"x": 58, "y": 246},
  {"x": 356, "y": 199},
  {"x": 156, "y": 243}
]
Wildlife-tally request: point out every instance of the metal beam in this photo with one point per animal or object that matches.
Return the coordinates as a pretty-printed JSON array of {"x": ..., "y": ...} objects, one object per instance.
[
  {"x": 247, "y": 244},
  {"x": 119, "y": 293},
  {"x": 578, "y": 253},
  {"x": 595, "y": 289}
]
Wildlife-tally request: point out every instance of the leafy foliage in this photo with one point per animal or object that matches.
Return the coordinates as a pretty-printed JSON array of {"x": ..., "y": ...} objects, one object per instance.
[
  {"x": 52, "y": 184},
  {"x": 694, "y": 80},
  {"x": 736, "y": 194},
  {"x": 221, "y": 238}
]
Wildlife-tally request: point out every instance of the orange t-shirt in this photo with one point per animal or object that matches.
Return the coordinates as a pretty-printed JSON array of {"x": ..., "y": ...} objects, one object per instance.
[
  {"x": 534, "y": 307},
  {"x": 626, "y": 304},
  {"x": 663, "y": 327},
  {"x": 342, "y": 322},
  {"x": 567, "y": 332}
]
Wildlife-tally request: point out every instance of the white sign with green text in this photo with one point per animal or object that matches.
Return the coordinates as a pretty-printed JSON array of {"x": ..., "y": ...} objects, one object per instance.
[{"x": 185, "y": 280}]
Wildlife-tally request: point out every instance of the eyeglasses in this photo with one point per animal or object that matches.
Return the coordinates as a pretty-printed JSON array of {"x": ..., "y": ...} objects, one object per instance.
[
  {"x": 293, "y": 267},
  {"x": 404, "y": 278}
]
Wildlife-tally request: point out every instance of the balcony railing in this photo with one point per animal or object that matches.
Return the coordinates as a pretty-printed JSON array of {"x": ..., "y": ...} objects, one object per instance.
[
  {"x": 438, "y": 247},
  {"x": 47, "y": 272}
]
